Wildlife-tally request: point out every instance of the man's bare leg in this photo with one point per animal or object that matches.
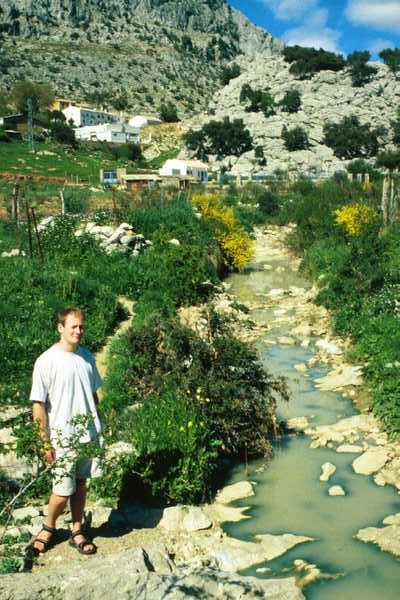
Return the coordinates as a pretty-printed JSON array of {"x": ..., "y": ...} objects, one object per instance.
[
  {"x": 56, "y": 507},
  {"x": 77, "y": 502}
]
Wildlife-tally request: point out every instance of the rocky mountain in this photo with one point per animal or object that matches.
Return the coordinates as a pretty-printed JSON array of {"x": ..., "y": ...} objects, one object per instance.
[
  {"x": 137, "y": 51},
  {"x": 327, "y": 97}
]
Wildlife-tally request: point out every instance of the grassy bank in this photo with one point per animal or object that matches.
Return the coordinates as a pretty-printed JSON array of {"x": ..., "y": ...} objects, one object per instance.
[
  {"x": 180, "y": 401},
  {"x": 355, "y": 262}
]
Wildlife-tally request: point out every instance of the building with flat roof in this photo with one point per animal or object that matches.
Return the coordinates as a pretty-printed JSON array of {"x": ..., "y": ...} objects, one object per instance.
[
  {"x": 175, "y": 167},
  {"x": 82, "y": 116},
  {"x": 117, "y": 133}
]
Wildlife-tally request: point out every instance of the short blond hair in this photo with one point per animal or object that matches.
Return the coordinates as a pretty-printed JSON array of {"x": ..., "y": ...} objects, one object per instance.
[{"x": 69, "y": 310}]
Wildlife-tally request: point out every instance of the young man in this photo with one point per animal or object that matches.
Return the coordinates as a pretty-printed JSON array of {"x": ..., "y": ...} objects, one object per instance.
[{"x": 64, "y": 385}]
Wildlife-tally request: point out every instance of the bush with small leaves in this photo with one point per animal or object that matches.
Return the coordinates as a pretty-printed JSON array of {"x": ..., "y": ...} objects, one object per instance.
[
  {"x": 295, "y": 139},
  {"x": 291, "y": 101},
  {"x": 350, "y": 139}
]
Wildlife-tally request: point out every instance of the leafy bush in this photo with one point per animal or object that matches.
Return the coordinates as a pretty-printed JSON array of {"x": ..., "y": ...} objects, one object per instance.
[
  {"x": 171, "y": 387},
  {"x": 291, "y": 101},
  {"x": 222, "y": 138},
  {"x": 391, "y": 58},
  {"x": 349, "y": 139},
  {"x": 229, "y": 72},
  {"x": 355, "y": 218},
  {"x": 295, "y": 139},
  {"x": 308, "y": 61},
  {"x": 259, "y": 100},
  {"x": 168, "y": 113},
  {"x": 361, "y": 73}
]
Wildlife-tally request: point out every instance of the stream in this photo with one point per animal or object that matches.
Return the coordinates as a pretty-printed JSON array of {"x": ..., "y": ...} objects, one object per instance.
[{"x": 289, "y": 497}]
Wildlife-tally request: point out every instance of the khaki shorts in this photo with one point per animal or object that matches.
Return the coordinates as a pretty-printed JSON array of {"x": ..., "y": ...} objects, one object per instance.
[{"x": 70, "y": 470}]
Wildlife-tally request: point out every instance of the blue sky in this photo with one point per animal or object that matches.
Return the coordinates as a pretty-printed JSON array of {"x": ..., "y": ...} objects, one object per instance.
[{"x": 337, "y": 25}]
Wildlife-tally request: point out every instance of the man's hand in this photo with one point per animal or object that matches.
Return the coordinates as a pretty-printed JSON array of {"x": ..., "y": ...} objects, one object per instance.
[{"x": 50, "y": 456}]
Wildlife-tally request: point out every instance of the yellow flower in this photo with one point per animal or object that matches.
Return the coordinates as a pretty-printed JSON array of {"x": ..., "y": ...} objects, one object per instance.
[
  {"x": 208, "y": 400},
  {"x": 354, "y": 218},
  {"x": 181, "y": 429},
  {"x": 190, "y": 424},
  {"x": 198, "y": 390}
]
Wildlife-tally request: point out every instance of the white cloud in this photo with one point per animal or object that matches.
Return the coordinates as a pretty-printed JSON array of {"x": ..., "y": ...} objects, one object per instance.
[
  {"x": 314, "y": 33},
  {"x": 375, "y": 14},
  {"x": 290, "y": 10},
  {"x": 375, "y": 46}
]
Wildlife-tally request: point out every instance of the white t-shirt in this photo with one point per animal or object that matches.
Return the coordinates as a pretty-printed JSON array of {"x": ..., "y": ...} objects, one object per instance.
[{"x": 66, "y": 381}]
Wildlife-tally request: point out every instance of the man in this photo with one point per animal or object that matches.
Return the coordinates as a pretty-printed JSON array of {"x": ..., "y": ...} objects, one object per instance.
[{"x": 64, "y": 386}]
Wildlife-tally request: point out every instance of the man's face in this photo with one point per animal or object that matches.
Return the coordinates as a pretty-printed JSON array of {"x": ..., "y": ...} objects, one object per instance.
[{"x": 72, "y": 331}]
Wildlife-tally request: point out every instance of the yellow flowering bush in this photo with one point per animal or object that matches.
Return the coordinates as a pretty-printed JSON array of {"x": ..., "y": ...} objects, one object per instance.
[
  {"x": 236, "y": 245},
  {"x": 354, "y": 218}
]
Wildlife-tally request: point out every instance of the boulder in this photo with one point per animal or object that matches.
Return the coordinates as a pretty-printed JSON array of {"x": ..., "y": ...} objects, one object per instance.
[
  {"x": 184, "y": 518},
  {"x": 26, "y": 512},
  {"x": 328, "y": 469},
  {"x": 236, "y": 491},
  {"x": 387, "y": 538},
  {"x": 340, "y": 377},
  {"x": 336, "y": 490},
  {"x": 371, "y": 461},
  {"x": 349, "y": 448}
]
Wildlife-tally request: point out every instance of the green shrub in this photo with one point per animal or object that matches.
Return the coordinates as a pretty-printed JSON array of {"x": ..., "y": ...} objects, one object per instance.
[
  {"x": 361, "y": 73},
  {"x": 307, "y": 61},
  {"x": 350, "y": 139},
  {"x": 391, "y": 58},
  {"x": 229, "y": 72},
  {"x": 222, "y": 138},
  {"x": 295, "y": 139},
  {"x": 168, "y": 395},
  {"x": 291, "y": 101}
]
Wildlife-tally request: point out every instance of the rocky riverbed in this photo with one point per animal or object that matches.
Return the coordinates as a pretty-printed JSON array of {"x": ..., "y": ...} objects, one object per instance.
[{"x": 146, "y": 552}]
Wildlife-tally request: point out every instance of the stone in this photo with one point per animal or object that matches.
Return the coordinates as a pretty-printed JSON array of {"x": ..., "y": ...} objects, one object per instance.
[
  {"x": 233, "y": 555},
  {"x": 286, "y": 340},
  {"x": 328, "y": 347},
  {"x": 340, "y": 377},
  {"x": 27, "y": 512},
  {"x": 349, "y": 448},
  {"x": 387, "y": 538},
  {"x": 298, "y": 423},
  {"x": 6, "y": 436},
  {"x": 390, "y": 474},
  {"x": 236, "y": 491},
  {"x": 184, "y": 518},
  {"x": 220, "y": 513},
  {"x": 328, "y": 469},
  {"x": 16, "y": 468},
  {"x": 174, "y": 242},
  {"x": 371, "y": 461},
  {"x": 336, "y": 490},
  {"x": 127, "y": 240},
  {"x": 276, "y": 293},
  {"x": 301, "y": 368}
]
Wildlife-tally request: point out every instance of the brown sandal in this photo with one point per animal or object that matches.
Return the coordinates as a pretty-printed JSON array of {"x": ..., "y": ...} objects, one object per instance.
[
  {"x": 47, "y": 544},
  {"x": 81, "y": 547}
]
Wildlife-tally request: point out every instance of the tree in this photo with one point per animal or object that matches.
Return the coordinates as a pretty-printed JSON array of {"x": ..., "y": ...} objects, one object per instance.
[
  {"x": 168, "y": 113},
  {"x": 349, "y": 139},
  {"x": 361, "y": 73},
  {"x": 229, "y": 72},
  {"x": 42, "y": 96},
  {"x": 291, "y": 101},
  {"x": 396, "y": 130},
  {"x": 307, "y": 61},
  {"x": 259, "y": 100},
  {"x": 295, "y": 139},
  {"x": 62, "y": 133},
  {"x": 259, "y": 155},
  {"x": 391, "y": 58},
  {"x": 222, "y": 138}
]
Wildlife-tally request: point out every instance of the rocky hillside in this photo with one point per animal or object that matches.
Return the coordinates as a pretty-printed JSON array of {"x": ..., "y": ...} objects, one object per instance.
[
  {"x": 138, "y": 52},
  {"x": 327, "y": 97}
]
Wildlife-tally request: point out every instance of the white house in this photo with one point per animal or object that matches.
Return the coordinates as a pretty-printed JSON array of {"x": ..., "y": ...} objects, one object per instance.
[
  {"x": 117, "y": 133},
  {"x": 174, "y": 167},
  {"x": 144, "y": 120},
  {"x": 82, "y": 116}
]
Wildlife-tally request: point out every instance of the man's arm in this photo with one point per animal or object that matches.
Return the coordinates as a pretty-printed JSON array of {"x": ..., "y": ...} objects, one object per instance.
[{"x": 40, "y": 416}]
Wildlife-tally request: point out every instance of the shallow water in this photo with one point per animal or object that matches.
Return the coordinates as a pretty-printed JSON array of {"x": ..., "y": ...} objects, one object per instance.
[{"x": 289, "y": 496}]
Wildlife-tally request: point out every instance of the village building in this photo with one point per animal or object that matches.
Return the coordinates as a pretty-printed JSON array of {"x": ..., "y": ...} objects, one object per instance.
[
  {"x": 117, "y": 133},
  {"x": 144, "y": 120},
  {"x": 82, "y": 116},
  {"x": 174, "y": 167}
]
